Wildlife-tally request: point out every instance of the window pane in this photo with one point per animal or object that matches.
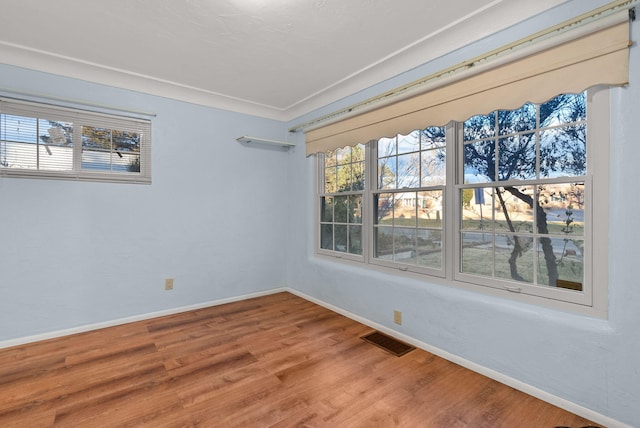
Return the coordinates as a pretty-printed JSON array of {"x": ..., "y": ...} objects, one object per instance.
[
  {"x": 420, "y": 160},
  {"x": 19, "y": 139},
  {"x": 513, "y": 212},
  {"x": 326, "y": 236},
  {"x": 355, "y": 209},
  {"x": 340, "y": 209},
  {"x": 55, "y": 158},
  {"x": 563, "y": 205},
  {"x": 433, "y": 167},
  {"x": 477, "y": 209},
  {"x": 409, "y": 143},
  {"x": 430, "y": 209},
  {"x": 344, "y": 171},
  {"x": 479, "y": 162},
  {"x": 330, "y": 180},
  {"x": 520, "y": 120},
  {"x": 563, "y": 151},
  {"x": 408, "y": 171},
  {"x": 433, "y": 137},
  {"x": 358, "y": 153},
  {"x": 387, "y": 147},
  {"x": 404, "y": 245},
  {"x": 357, "y": 176},
  {"x": 479, "y": 127},
  {"x": 126, "y": 141},
  {"x": 56, "y": 145},
  {"x": 561, "y": 262},
  {"x": 330, "y": 158},
  {"x": 343, "y": 155},
  {"x": 514, "y": 257},
  {"x": 326, "y": 210},
  {"x": 517, "y": 157},
  {"x": 429, "y": 248},
  {"x": 39, "y": 144},
  {"x": 340, "y": 237},
  {"x": 132, "y": 162},
  {"x": 477, "y": 253},
  {"x": 110, "y": 150},
  {"x": 355, "y": 240},
  {"x": 383, "y": 242},
  {"x": 343, "y": 178},
  {"x": 384, "y": 208},
  {"x": 564, "y": 109},
  {"x": 94, "y": 159},
  {"x": 387, "y": 173},
  {"x": 571, "y": 265},
  {"x": 18, "y": 155},
  {"x": 96, "y": 148},
  {"x": 404, "y": 212}
]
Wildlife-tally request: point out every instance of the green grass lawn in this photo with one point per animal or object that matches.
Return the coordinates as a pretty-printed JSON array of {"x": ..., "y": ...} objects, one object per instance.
[{"x": 478, "y": 260}]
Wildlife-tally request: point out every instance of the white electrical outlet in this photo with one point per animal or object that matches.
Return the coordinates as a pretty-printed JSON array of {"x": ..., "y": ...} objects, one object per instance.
[{"x": 168, "y": 284}]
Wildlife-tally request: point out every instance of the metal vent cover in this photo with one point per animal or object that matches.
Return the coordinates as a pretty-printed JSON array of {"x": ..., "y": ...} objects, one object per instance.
[{"x": 388, "y": 343}]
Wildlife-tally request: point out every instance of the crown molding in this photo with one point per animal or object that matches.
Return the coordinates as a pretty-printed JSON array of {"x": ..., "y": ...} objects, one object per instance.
[{"x": 37, "y": 60}]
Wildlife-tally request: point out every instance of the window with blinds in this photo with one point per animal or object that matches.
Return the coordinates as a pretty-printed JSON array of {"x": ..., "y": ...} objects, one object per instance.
[{"x": 44, "y": 141}]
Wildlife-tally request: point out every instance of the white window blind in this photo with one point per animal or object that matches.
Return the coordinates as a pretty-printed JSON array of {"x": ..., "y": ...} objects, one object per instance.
[
  {"x": 44, "y": 141},
  {"x": 595, "y": 57}
]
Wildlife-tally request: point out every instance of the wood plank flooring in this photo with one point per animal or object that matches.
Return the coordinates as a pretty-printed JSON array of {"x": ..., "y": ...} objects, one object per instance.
[{"x": 273, "y": 361}]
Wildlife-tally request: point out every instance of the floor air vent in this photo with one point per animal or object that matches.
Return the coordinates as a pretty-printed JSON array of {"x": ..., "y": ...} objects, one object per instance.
[{"x": 388, "y": 343}]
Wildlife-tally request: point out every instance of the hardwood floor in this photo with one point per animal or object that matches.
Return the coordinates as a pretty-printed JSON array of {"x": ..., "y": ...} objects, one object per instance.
[{"x": 274, "y": 361}]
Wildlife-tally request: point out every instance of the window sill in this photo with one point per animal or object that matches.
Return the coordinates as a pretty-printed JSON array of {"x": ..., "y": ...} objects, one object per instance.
[
  {"x": 74, "y": 176},
  {"x": 366, "y": 269}
]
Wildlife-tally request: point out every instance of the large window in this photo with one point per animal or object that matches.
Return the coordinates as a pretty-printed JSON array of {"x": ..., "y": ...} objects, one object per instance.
[
  {"x": 523, "y": 213},
  {"x": 38, "y": 140},
  {"x": 503, "y": 200},
  {"x": 408, "y": 196},
  {"x": 341, "y": 190}
]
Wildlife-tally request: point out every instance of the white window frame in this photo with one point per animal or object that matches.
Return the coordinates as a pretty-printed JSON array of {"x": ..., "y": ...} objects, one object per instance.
[
  {"x": 592, "y": 300},
  {"x": 320, "y": 192},
  {"x": 80, "y": 118},
  {"x": 405, "y": 267}
]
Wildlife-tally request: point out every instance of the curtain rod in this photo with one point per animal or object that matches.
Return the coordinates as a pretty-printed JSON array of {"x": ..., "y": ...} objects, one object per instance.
[
  {"x": 73, "y": 103},
  {"x": 409, "y": 88}
]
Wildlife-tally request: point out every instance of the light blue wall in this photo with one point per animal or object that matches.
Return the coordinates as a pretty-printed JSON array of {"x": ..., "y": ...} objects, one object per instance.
[
  {"x": 79, "y": 253},
  {"x": 593, "y": 363}
]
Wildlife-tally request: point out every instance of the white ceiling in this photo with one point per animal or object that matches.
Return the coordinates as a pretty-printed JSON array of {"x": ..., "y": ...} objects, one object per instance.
[{"x": 273, "y": 58}]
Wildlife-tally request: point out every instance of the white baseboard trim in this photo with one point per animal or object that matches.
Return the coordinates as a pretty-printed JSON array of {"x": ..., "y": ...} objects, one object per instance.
[
  {"x": 142, "y": 317},
  {"x": 485, "y": 371}
]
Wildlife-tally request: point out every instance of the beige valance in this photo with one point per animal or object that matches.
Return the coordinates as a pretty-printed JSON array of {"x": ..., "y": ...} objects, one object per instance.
[{"x": 598, "y": 58}]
